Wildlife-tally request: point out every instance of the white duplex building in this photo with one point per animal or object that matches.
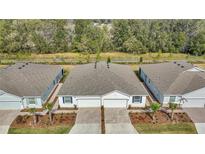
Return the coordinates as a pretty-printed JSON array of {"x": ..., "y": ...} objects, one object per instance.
[
  {"x": 178, "y": 82},
  {"x": 102, "y": 84},
  {"x": 27, "y": 85}
]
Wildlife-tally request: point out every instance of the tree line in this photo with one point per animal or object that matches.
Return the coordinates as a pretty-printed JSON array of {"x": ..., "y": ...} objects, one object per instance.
[{"x": 106, "y": 35}]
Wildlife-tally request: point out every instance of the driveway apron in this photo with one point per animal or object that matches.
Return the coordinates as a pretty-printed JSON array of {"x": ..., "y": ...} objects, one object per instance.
[
  {"x": 117, "y": 121},
  {"x": 198, "y": 117},
  {"x": 88, "y": 121},
  {"x": 6, "y": 118}
]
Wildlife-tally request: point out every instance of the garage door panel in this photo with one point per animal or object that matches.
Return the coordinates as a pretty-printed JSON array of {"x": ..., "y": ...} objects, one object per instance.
[
  {"x": 194, "y": 102},
  {"x": 88, "y": 102},
  {"x": 10, "y": 105},
  {"x": 114, "y": 103}
]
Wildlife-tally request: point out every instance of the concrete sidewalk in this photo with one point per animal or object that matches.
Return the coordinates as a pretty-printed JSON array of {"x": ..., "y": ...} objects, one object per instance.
[
  {"x": 117, "y": 121},
  {"x": 88, "y": 121}
]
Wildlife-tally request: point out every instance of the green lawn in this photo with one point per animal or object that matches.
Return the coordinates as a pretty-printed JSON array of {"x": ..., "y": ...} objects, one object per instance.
[
  {"x": 49, "y": 130},
  {"x": 180, "y": 128}
]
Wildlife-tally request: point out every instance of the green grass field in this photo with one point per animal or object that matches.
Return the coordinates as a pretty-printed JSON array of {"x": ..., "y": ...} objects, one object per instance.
[
  {"x": 80, "y": 57},
  {"x": 49, "y": 130},
  {"x": 147, "y": 56},
  {"x": 179, "y": 128}
]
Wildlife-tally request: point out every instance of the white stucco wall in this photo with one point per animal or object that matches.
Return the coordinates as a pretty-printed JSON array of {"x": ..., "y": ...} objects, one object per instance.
[
  {"x": 193, "y": 99},
  {"x": 115, "y": 95},
  {"x": 138, "y": 104},
  {"x": 37, "y": 105},
  {"x": 166, "y": 99},
  {"x": 95, "y": 101},
  {"x": 60, "y": 102}
]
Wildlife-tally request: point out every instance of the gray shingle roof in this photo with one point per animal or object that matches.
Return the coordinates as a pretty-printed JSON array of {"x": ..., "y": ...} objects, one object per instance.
[
  {"x": 86, "y": 80},
  {"x": 27, "y": 79},
  {"x": 173, "y": 77}
]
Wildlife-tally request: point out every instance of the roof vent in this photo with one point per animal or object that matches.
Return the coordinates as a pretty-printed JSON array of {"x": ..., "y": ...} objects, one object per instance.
[
  {"x": 182, "y": 66},
  {"x": 20, "y": 68},
  {"x": 23, "y": 65},
  {"x": 26, "y": 64},
  {"x": 178, "y": 64},
  {"x": 175, "y": 62}
]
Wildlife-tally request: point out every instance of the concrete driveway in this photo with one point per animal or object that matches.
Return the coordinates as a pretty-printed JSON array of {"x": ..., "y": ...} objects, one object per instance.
[
  {"x": 198, "y": 117},
  {"x": 117, "y": 121},
  {"x": 6, "y": 118},
  {"x": 88, "y": 121}
]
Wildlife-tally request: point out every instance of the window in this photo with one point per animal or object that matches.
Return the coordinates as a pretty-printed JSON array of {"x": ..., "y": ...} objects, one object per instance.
[
  {"x": 31, "y": 101},
  {"x": 137, "y": 99},
  {"x": 67, "y": 99},
  {"x": 172, "y": 99}
]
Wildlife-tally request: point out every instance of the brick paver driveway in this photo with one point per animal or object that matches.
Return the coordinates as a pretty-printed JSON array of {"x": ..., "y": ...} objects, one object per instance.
[
  {"x": 6, "y": 118},
  {"x": 117, "y": 121},
  {"x": 198, "y": 117},
  {"x": 88, "y": 121}
]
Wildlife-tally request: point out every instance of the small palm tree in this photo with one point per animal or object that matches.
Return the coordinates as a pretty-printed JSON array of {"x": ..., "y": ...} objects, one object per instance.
[
  {"x": 173, "y": 107},
  {"x": 154, "y": 107},
  {"x": 49, "y": 107},
  {"x": 33, "y": 113}
]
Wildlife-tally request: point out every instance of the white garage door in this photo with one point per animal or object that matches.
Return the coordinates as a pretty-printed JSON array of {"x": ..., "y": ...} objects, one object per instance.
[
  {"x": 88, "y": 103},
  {"x": 112, "y": 103},
  {"x": 10, "y": 105},
  {"x": 194, "y": 102}
]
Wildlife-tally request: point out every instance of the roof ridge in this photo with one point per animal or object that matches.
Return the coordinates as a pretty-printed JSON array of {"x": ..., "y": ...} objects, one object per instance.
[{"x": 119, "y": 77}]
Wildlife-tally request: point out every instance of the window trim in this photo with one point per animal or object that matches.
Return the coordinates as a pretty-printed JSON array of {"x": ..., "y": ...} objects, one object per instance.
[
  {"x": 29, "y": 101},
  {"x": 174, "y": 99},
  {"x": 137, "y": 102},
  {"x": 64, "y": 102}
]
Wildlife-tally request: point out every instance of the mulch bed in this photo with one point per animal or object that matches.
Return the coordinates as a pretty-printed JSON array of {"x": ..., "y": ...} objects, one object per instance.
[
  {"x": 67, "y": 108},
  {"x": 137, "y": 108},
  {"x": 26, "y": 121},
  {"x": 161, "y": 117},
  {"x": 37, "y": 110},
  {"x": 102, "y": 120}
]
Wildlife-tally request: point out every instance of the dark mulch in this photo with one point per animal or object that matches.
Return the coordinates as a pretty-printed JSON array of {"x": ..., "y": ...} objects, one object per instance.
[
  {"x": 37, "y": 110},
  {"x": 67, "y": 108},
  {"x": 161, "y": 117},
  {"x": 26, "y": 121},
  {"x": 102, "y": 120}
]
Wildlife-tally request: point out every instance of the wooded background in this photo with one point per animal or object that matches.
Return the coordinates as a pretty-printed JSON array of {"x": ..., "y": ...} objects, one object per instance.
[{"x": 93, "y": 36}]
